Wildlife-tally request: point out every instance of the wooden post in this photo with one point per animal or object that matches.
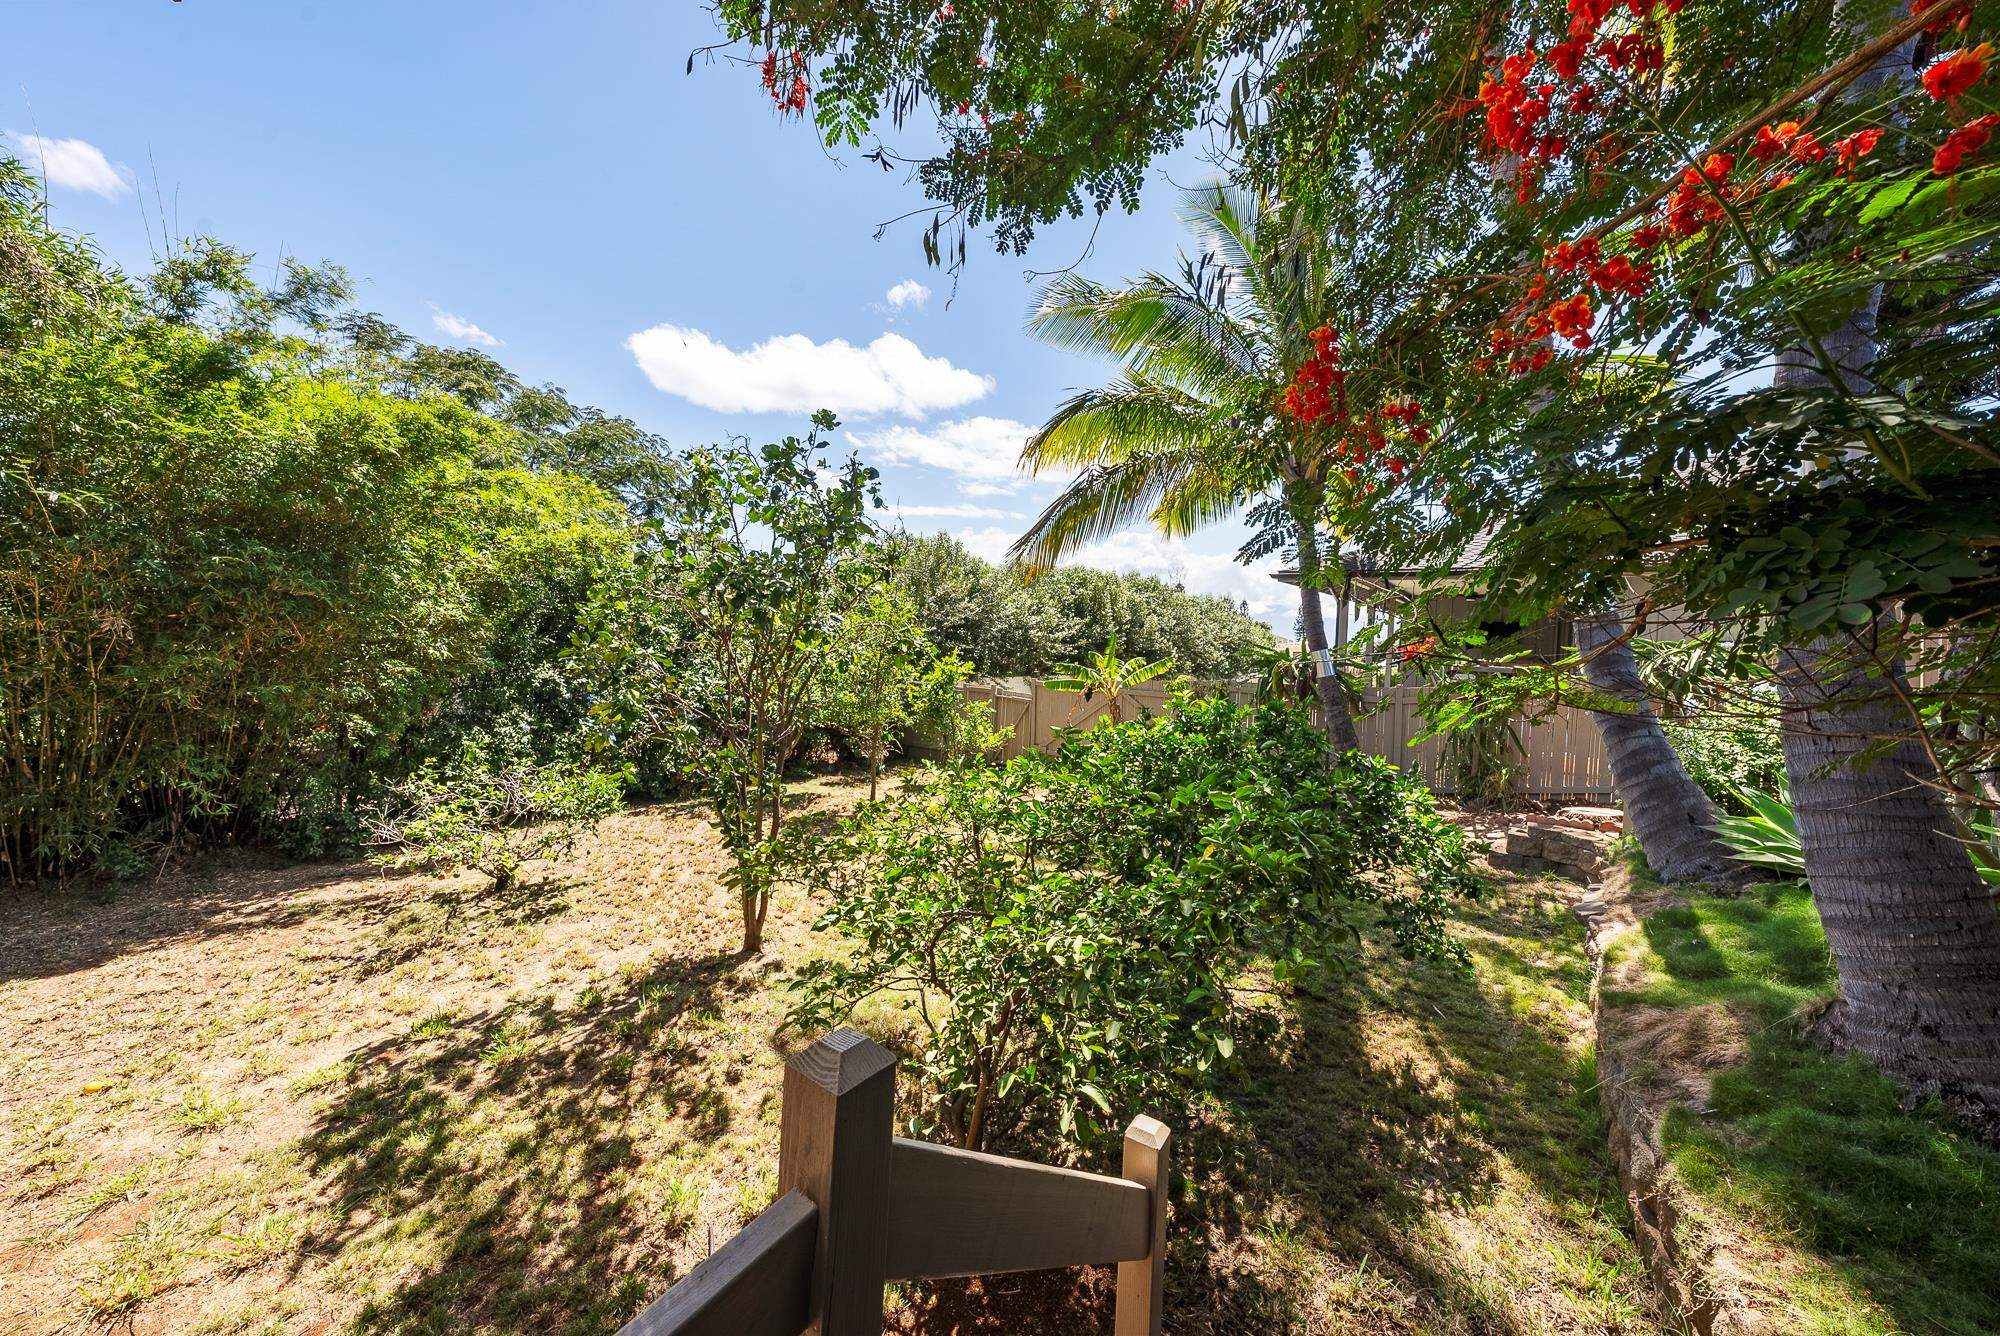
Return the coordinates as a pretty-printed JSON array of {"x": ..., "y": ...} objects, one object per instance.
[
  {"x": 833, "y": 1145},
  {"x": 1140, "y": 1284}
]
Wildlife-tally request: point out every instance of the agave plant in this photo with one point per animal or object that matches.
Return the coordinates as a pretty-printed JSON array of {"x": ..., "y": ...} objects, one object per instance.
[{"x": 1769, "y": 837}]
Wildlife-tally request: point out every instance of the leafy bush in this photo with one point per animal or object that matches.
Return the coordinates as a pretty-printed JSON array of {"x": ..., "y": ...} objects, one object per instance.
[
  {"x": 1730, "y": 756},
  {"x": 1071, "y": 928},
  {"x": 957, "y": 726},
  {"x": 490, "y": 817},
  {"x": 1003, "y": 627},
  {"x": 260, "y": 553}
]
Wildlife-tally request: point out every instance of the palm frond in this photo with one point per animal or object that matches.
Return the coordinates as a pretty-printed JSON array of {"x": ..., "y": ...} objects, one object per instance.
[
  {"x": 1157, "y": 326},
  {"x": 1126, "y": 418},
  {"x": 1098, "y": 503}
]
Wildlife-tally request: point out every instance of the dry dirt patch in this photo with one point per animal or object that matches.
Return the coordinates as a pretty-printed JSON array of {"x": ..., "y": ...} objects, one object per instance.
[
  {"x": 317, "y": 1099},
  {"x": 312, "y": 1097}
]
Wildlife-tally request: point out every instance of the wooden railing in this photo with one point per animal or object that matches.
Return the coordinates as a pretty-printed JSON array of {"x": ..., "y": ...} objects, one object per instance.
[{"x": 859, "y": 1207}]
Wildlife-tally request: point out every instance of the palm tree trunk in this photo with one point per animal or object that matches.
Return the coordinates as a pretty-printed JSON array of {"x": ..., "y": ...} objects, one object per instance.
[
  {"x": 1670, "y": 814},
  {"x": 1914, "y": 931},
  {"x": 1335, "y": 718}
]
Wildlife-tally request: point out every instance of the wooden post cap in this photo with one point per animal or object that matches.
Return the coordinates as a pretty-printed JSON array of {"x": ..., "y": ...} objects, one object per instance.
[
  {"x": 1147, "y": 1131},
  {"x": 840, "y": 1061}
]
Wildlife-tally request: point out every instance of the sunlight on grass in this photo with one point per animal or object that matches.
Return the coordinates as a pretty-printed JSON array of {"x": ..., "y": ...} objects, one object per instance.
[{"x": 1868, "y": 1217}]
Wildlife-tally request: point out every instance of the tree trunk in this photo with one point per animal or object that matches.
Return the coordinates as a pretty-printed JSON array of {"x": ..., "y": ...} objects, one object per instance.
[
  {"x": 1670, "y": 814},
  {"x": 1335, "y": 718},
  {"x": 1914, "y": 931},
  {"x": 1912, "y": 928}
]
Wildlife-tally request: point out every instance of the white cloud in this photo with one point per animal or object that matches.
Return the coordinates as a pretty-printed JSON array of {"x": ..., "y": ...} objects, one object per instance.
[
  {"x": 792, "y": 374},
  {"x": 991, "y": 542},
  {"x": 1143, "y": 552},
  {"x": 955, "y": 513},
  {"x": 73, "y": 164},
  {"x": 980, "y": 451},
  {"x": 909, "y": 292},
  {"x": 460, "y": 328}
]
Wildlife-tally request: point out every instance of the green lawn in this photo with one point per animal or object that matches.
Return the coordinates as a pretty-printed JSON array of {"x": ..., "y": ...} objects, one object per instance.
[{"x": 1858, "y": 1216}]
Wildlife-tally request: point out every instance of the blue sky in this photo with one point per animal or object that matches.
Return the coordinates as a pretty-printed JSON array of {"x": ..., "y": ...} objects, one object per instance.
[{"x": 547, "y": 177}]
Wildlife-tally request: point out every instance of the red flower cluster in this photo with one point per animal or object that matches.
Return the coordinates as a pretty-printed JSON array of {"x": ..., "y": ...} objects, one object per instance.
[
  {"x": 1853, "y": 148},
  {"x": 790, "y": 97},
  {"x": 1571, "y": 319},
  {"x": 1319, "y": 388},
  {"x": 1417, "y": 649},
  {"x": 1318, "y": 393},
  {"x": 1517, "y": 111},
  {"x": 1787, "y": 137},
  {"x": 1951, "y": 9},
  {"x": 1962, "y": 143},
  {"x": 1565, "y": 256},
  {"x": 1957, "y": 72},
  {"x": 1514, "y": 111},
  {"x": 1524, "y": 336},
  {"x": 1622, "y": 275},
  {"x": 1696, "y": 204},
  {"x": 1639, "y": 51}
]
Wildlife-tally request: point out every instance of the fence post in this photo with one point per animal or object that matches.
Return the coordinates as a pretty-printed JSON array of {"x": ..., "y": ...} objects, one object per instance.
[
  {"x": 833, "y": 1145},
  {"x": 1148, "y": 1144}
]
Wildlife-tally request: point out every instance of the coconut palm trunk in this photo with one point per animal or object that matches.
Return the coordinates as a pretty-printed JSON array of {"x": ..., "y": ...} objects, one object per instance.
[
  {"x": 1914, "y": 932},
  {"x": 1673, "y": 819},
  {"x": 1336, "y": 720},
  {"x": 1913, "y": 929}
]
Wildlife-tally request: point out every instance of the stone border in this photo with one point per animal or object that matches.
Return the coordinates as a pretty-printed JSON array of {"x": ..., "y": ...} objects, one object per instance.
[{"x": 1694, "y": 1272}]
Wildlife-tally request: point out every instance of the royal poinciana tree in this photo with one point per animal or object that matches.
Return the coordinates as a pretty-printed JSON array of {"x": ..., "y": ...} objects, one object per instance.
[
  {"x": 1694, "y": 195},
  {"x": 1758, "y": 379}
]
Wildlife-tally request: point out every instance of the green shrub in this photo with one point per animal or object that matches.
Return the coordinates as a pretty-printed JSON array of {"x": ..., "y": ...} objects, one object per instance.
[
  {"x": 1730, "y": 756},
  {"x": 493, "y": 818},
  {"x": 1071, "y": 929}
]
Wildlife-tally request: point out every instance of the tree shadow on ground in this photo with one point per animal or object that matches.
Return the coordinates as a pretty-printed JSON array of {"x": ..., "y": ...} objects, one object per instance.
[
  {"x": 1877, "y": 1203},
  {"x": 453, "y": 915},
  {"x": 1387, "y": 1098},
  {"x": 59, "y": 931},
  {"x": 488, "y": 1159}
]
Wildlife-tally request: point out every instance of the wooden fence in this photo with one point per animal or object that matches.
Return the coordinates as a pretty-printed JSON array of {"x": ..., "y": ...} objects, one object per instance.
[
  {"x": 1563, "y": 755},
  {"x": 859, "y": 1207}
]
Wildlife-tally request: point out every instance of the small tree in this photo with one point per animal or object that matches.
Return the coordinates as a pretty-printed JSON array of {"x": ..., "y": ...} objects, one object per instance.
[
  {"x": 1108, "y": 675},
  {"x": 760, "y": 555},
  {"x": 872, "y": 692},
  {"x": 962, "y": 727},
  {"x": 491, "y": 816}
]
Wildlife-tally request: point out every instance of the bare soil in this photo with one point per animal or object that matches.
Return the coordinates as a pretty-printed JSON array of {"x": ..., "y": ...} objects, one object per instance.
[{"x": 253, "y": 1097}]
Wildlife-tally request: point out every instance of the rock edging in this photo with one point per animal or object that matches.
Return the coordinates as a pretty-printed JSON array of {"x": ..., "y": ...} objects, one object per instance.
[{"x": 1636, "y": 1086}]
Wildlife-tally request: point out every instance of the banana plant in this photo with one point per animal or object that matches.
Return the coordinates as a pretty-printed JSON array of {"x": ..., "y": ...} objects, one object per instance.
[{"x": 1106, "y": 674}]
